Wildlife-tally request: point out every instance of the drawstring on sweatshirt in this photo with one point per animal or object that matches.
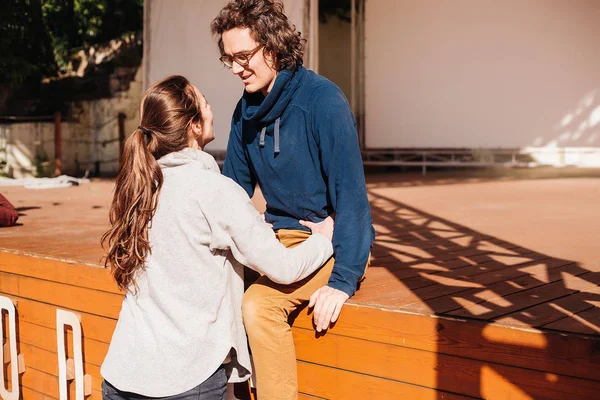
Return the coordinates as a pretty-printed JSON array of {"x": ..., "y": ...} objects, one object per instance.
[
  {"x": 276, "y": 136},
  {"x": 263, "y": 133}
]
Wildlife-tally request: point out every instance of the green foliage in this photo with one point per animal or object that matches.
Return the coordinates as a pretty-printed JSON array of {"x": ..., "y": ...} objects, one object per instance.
[
  {"x": 75, "y": 23},
  {"x": 335, "y": 8},
  {"x": 42, "y": 165},
  {"x": 38, "y": 36},
  {"x": 25, "y": 47},
  {"x": 3, "y": 162}
]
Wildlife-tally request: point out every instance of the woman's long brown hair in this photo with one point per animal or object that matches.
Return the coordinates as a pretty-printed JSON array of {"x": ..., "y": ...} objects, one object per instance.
[{"x": 168, "y": 109}]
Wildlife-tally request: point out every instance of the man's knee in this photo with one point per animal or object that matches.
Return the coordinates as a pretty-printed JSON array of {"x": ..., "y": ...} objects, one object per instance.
[
  {"x": 251, "y": 304},
  {"x": 258, "y": 306}
]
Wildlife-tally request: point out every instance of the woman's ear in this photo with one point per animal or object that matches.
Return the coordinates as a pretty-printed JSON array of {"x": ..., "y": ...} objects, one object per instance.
[{"x": 197, "y": 128}]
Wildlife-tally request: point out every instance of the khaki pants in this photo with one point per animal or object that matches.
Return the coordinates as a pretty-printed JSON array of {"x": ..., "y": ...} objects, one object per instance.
[{"x": 266, "y": 307}]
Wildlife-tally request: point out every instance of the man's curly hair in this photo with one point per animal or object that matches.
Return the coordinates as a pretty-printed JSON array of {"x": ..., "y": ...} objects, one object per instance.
[{"x": 269, "y": 26}]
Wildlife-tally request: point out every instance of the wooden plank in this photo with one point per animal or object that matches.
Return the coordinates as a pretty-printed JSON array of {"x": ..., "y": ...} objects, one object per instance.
[
  {"x": 39, "y": 359},
  {"x": 333, "y": 384},
  {"x": 304, "y": 396},
  {"x": 530, "y": 297},
  {"x": 47, "y": 362},
  {"x": 404, "y": 270},
  {"x": 430, "y": 286},
  {"x": 555, "y": 310},
  {"x": 493, "y": 286},
  {"x": 45, "y": 338},
  {"x": 62, "y": 295},
  {"x": 379, "y": 277},
  {"x": 444, "y": 249},
  {"x": 586, "y": 322},
  {"x": 93, "y": 326},
  {"x": 425, "y": 239},
  {"x": 568, "y": 355},
  {"x": 28, "y": 394},
  {"x": 57, "y": 270},
  {"x": 7, "y": 377},
  {"x": 40, "y": 382},
  {"x": 48, "y": 385},
  {"x": 435, "y": 370},
  {"x": 386, "y": 361}
]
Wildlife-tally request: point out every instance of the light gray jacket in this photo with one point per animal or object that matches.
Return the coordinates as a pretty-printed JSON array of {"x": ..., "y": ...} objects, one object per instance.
[{"x": 186, "y": 316}]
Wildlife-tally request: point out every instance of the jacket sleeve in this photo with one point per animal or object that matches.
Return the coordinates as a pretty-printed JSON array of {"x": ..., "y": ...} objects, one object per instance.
[
  {"x": 236, "y": 225},
  {"x": 335, "y": 132},
  {"x": 236, "y": 164},
  {"x": 8, "y": 214}
]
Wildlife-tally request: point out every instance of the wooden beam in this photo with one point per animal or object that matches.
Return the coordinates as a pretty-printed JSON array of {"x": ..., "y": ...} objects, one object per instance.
[{"x": 57, "y": 145}]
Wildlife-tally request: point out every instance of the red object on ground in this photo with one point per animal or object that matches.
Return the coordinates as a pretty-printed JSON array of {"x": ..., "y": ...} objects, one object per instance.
[{"x": 8, "y": 213}]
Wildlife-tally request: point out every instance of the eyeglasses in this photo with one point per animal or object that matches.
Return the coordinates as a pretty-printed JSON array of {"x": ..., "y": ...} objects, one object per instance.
[{"x": 242, "y": 58}]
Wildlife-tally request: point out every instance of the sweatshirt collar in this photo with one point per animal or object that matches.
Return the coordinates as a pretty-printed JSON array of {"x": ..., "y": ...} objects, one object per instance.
[
  {"x": 255, "y": 106},
  {"x": 188, "y": 156}
]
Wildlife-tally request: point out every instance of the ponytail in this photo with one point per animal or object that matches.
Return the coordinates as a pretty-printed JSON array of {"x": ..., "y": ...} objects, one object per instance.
[
  {"x": 166, "y": 111},
  {"x": 134, "y": 203}
]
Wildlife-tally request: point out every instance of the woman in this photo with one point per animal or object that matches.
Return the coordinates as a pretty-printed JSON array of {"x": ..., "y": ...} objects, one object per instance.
[{"x": 179, "y": 231}]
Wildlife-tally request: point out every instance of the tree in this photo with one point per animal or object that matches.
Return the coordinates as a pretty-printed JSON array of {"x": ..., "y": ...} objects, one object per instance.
[
  {"x": 335, "y": 8},
  {"x": 38, "y": 36},
  {"x": 76, "y": 23},
  {"x": 26, "y": 52}
]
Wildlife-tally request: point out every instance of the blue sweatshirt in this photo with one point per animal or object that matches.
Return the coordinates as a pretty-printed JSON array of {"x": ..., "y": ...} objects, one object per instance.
[{"x": 301, "y": 146}]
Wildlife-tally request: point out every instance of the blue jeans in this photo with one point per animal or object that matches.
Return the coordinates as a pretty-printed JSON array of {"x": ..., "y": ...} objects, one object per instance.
[{"x": 214, "y": 388}]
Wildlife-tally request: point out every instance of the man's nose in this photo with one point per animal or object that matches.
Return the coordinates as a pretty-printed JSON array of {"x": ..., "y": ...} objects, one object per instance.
[{"x": 236, "y": 68}]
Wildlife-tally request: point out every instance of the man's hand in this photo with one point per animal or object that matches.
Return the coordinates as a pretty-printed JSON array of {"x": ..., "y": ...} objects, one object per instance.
[{"x": 327, "y": 303}]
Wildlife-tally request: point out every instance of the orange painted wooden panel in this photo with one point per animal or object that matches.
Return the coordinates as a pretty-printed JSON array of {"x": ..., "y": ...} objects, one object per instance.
[
  {"x": 28, "y": 394},
  {"x": 333, "y": 384},
  {"x": 45, "y": 338},
  {"x": 302, "y": 396},
  {"x": 62, "y": 271},
  {"x": 569, "y": 355},
  {"x": 48, "y": 385},
  {"x": 40, "y": 359},
  {"x": 62, "y": 295},
  {"x": 40, "y": 382},
  {"x": 47, "y": 362},
  {"x": 93, "y": 326},
  {"x": 434, "y": 370}
]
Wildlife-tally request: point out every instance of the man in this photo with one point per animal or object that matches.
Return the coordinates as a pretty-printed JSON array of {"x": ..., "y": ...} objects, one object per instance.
[{"x": 294, "y": 135}]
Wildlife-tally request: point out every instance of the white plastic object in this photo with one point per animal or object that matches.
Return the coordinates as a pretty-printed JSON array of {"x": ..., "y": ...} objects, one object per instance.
[
  {"x": 7, "y": 304},
  {"x": 69, "y": 318}
]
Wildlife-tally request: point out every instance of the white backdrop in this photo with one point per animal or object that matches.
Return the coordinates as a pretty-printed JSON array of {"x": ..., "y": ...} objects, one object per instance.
[
  {"x": 179, "y": 41},
  {"x": 482, "y": 73}
]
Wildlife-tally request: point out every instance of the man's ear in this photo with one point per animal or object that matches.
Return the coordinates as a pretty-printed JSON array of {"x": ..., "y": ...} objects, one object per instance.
[{"x": 270, "y": 59}]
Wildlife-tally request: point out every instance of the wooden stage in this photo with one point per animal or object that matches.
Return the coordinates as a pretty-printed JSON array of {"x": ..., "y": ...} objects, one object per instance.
[{"x": 480, "y": 287}]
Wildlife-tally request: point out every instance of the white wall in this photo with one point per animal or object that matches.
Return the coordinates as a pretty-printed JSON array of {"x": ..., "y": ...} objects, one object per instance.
[
  {"x": 334, "y": 53},
  {"x": 179, "y": 41},
  {"x": 482, "y": 73},
  {"x": 90, "y": 139},
  {"x": 23, "y": 146}
]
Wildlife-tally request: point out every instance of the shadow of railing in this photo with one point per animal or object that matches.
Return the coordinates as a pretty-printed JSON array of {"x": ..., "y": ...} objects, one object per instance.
[{"x": 447, "y": 269}]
